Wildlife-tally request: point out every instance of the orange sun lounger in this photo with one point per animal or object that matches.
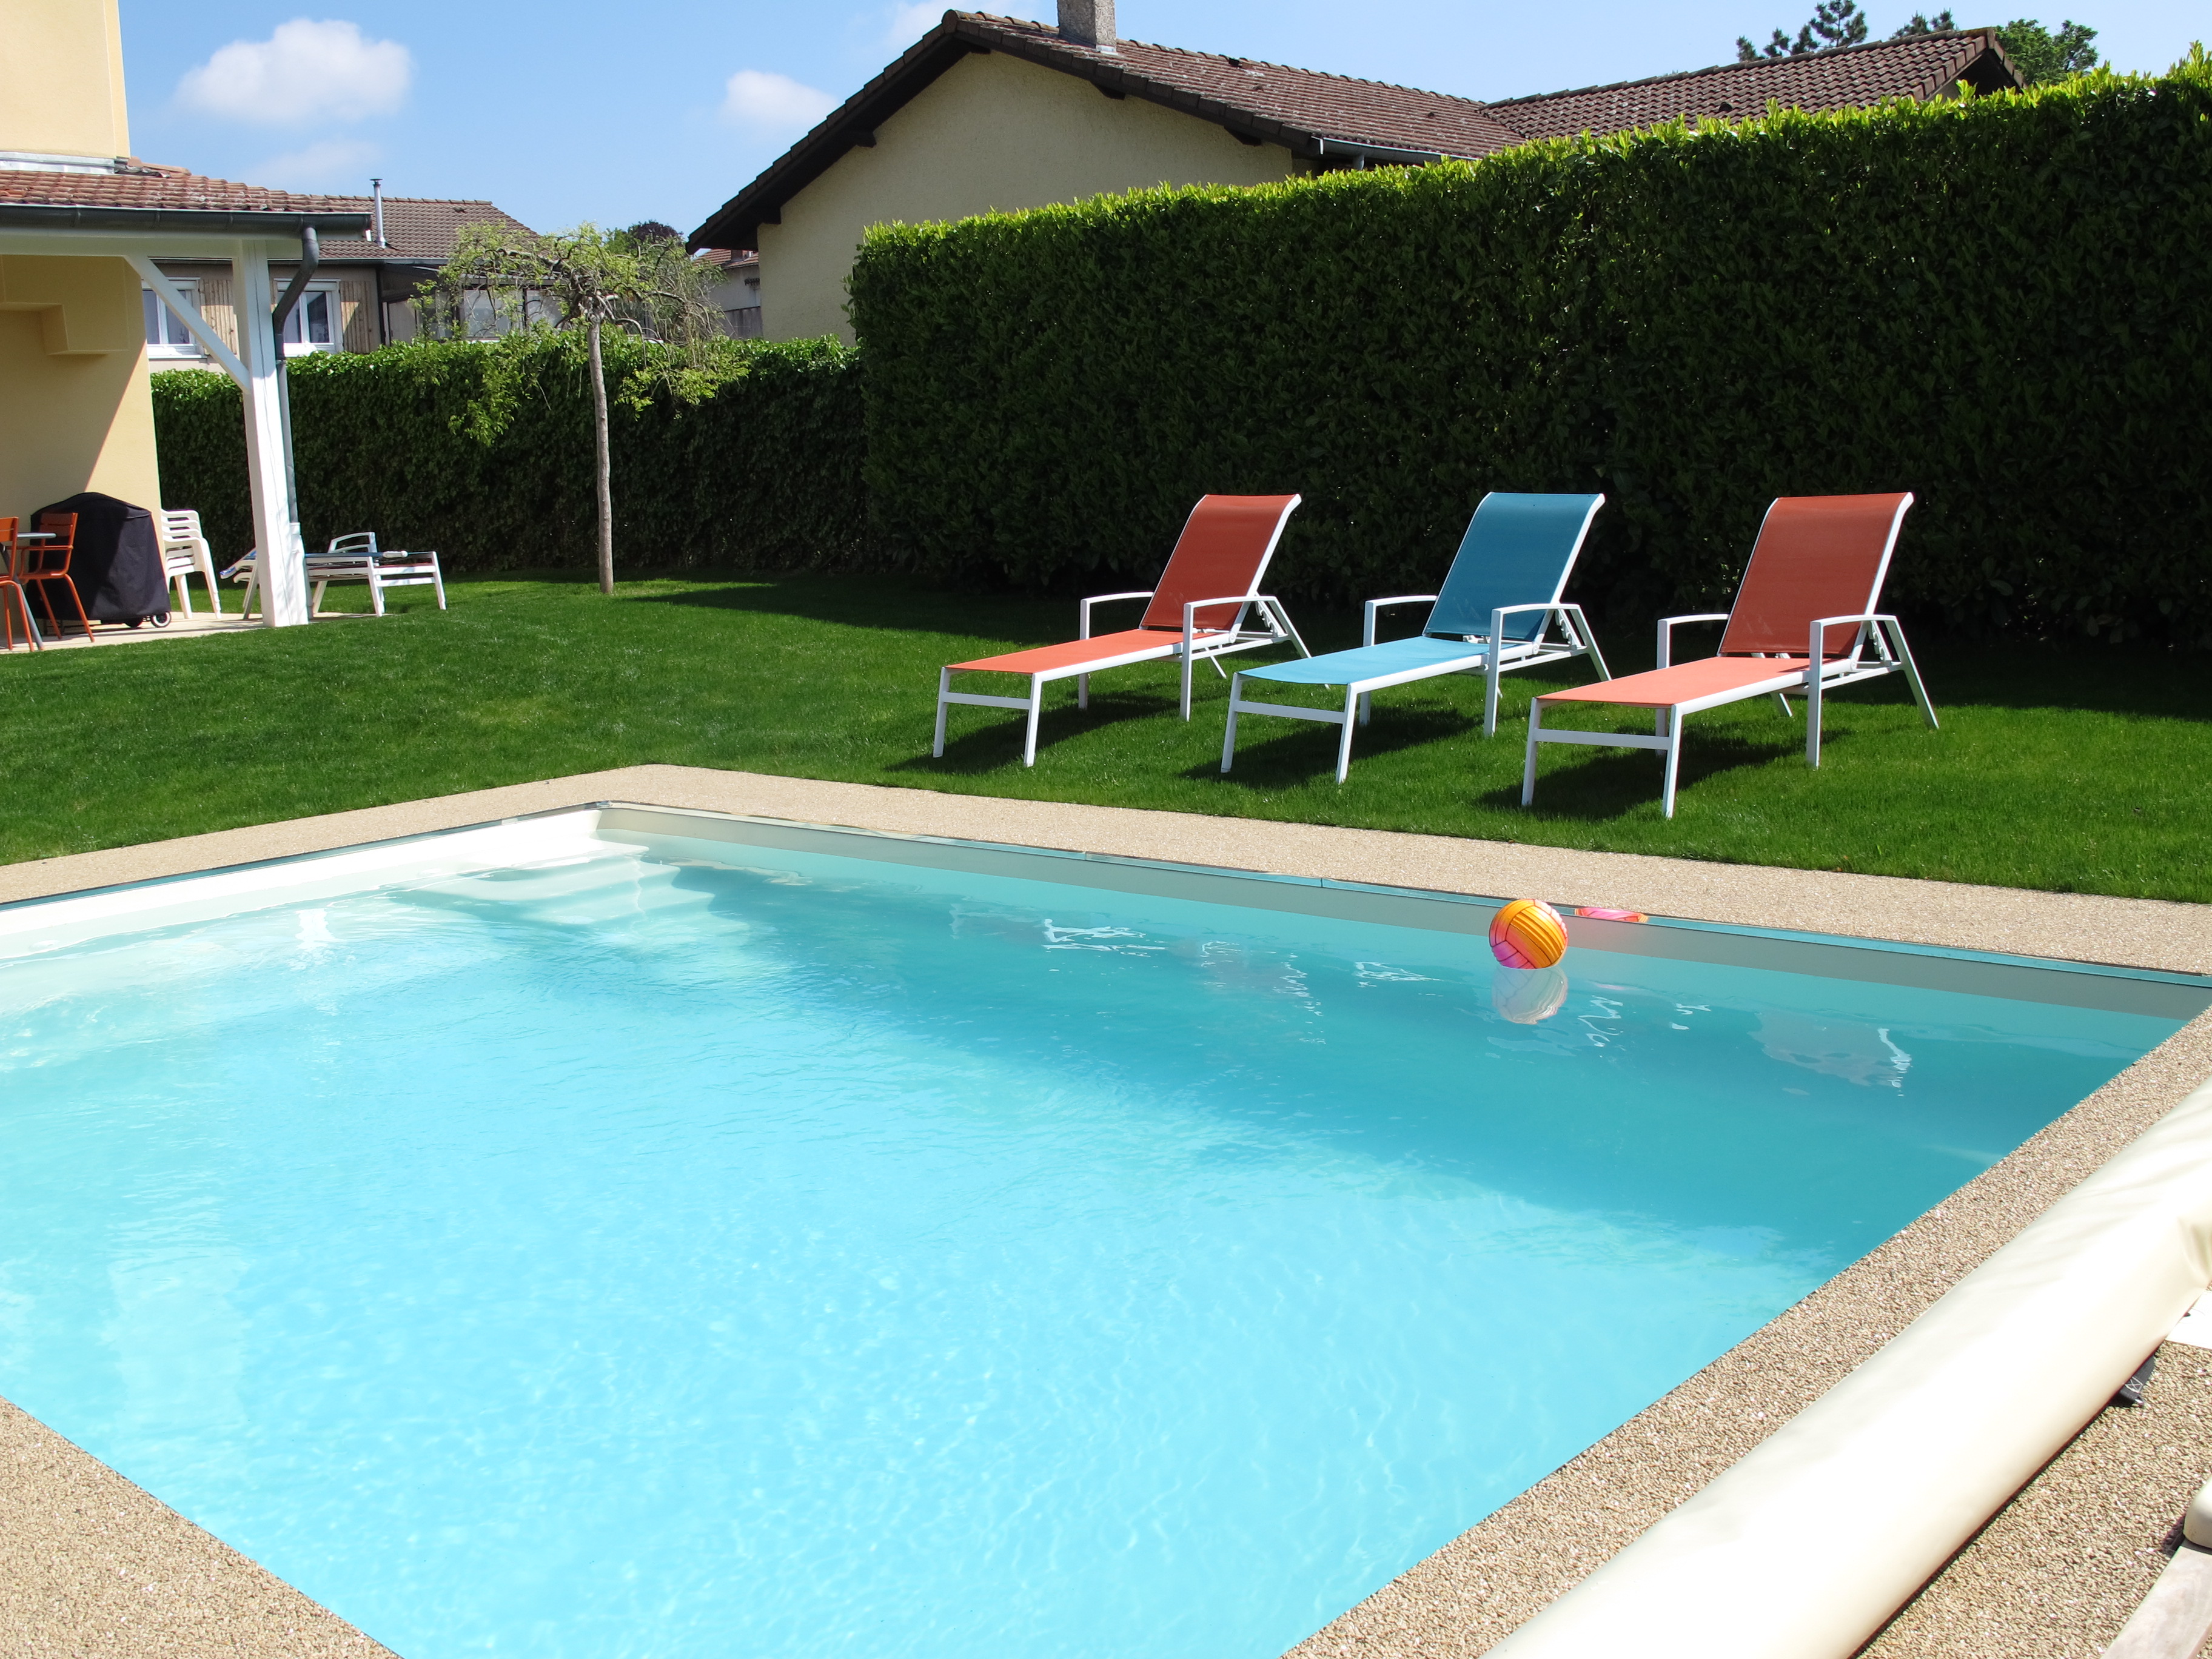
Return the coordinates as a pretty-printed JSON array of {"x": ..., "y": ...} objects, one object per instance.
[
  {"x": 1209, "y": 604},
  {"x": 1808, "y": 597}
]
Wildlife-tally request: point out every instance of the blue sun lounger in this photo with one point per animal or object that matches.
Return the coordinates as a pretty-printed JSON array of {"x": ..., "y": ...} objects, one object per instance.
[{"x": 1500, "y": 599}]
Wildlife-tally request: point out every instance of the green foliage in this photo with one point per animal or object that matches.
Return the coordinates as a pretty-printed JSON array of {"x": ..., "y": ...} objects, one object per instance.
[
  {"x": 483, "y": 451},
  {"x": 2043, "y": 57},
  {"x": 2000, "y": 304}
]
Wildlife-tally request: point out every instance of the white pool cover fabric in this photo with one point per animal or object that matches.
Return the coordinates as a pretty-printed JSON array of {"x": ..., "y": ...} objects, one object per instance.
[{"x": 1806, "y": 1547}]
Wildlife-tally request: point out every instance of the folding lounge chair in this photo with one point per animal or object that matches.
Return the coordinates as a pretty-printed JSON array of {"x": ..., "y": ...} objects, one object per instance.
[
  {"x": 1499, "y": 600},
  {"x": 1804, "y": 621},
  {"x": 1201, "y": 610}
]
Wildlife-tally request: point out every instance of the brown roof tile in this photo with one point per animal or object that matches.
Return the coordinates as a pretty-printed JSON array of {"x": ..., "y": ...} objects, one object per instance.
[
  {"x": 1918, "y": 67},
  {"x": 141, "y": 185},
  {"x": 418, "y": 229}
]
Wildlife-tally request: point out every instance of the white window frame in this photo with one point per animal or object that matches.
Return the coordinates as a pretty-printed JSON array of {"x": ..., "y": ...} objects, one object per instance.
[
  {"x": 187, "y": 349},
  {"x": 297, "y": 321}
]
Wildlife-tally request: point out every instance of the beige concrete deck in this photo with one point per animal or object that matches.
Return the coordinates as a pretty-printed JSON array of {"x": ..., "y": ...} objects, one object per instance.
[{"x": 89, "y": 1565}]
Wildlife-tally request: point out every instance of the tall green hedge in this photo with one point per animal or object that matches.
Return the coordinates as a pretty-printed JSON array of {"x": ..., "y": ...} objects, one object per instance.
[
  {"x": 484, "y": 453},
  {"x": 2004, "y": 305}
]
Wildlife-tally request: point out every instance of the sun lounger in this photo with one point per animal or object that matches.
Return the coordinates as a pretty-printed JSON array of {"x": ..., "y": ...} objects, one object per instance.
[
  {"x": 1804, "y": 621},
  {"x": 1209, "y": 604},
  {"x": 1495, "y": 613}
]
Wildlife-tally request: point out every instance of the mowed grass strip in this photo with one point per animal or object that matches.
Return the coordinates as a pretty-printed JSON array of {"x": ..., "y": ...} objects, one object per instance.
[{"x": 2077, "y": 769}]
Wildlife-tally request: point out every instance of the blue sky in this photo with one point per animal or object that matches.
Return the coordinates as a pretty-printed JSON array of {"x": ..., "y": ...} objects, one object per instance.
[{"x": 662, "y": 109}]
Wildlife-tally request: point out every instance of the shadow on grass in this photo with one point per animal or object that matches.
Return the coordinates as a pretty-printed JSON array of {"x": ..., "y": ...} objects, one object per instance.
[
  {"x": 991, "y": 745},
  {"x": 1298, "y": 754},
  {"x": 897, "y": 603},
  {"x": 1617, "y": 782}
]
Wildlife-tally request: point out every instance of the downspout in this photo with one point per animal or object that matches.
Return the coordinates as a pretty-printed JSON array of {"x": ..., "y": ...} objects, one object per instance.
[{"x": 311, "y": 257}]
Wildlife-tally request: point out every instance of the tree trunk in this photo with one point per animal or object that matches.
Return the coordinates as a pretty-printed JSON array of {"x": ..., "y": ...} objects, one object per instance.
[{"x": 605, "y": 478}]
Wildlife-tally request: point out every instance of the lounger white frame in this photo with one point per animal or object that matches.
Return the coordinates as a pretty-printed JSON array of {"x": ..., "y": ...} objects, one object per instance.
[
  {"x": 1820, "y": 674},
  {"x": 354, "y": 557},
  {"x": 1195, "y": 645},
  {"x": 185, "y": 554},
  {"x": 1490, "y": 655}
]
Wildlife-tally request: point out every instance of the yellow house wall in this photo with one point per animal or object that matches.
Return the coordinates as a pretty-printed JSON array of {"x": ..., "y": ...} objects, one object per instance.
[
  {"x": 992, "y": 133},
  {"x": 74, "y": 409},
  {"x": 61, "y": 64}
]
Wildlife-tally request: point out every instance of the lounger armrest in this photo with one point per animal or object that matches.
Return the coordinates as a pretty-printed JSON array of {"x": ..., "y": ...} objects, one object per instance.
[
  {"x": 1190, "y": 611},
  {"x": 1498, "y": 615},
  {"x": 1367, "y": 626},
  {"x": 1816, "y": 636},
  {"x": 1105, "y": 599},
  {"x": 1666, "y": 632}
]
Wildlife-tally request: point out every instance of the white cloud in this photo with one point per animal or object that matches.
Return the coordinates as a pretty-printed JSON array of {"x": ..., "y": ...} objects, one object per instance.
[
  {"x": 761, "y": 98},
  {"x": 338, "y": 165},
  {"x": 305, "y": 71},
  {"x": 910, "y": 23}
]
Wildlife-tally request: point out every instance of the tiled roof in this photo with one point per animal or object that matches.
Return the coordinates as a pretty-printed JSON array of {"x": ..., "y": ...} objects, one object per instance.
[
  {"x": 1319, "y": 116},
  {"x": 1918, "y": 67},
  {"x": 1365, "y": 113},
  {"x": 418, "y": 229},
  {"x": 140, "y": 185}
]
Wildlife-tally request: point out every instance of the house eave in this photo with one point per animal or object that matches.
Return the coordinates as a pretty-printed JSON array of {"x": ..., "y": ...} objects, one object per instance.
[{"x": 186, "y": 221}]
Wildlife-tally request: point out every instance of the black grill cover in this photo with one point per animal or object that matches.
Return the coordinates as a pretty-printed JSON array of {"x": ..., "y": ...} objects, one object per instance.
[{"x": 117, "y": 566}]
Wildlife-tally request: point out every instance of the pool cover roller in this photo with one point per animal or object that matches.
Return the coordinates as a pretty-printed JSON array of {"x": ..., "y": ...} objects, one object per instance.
[{"x": 1805, "y": 1545}]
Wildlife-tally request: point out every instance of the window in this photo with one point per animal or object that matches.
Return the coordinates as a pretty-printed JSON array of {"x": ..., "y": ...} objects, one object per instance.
[
  {"x": 166, "y": 333},
  {"x": 313, "y": 323}
]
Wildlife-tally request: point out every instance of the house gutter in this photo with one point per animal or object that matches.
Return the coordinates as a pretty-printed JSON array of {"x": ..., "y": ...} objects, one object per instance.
[{"x": 198, "y": 221}]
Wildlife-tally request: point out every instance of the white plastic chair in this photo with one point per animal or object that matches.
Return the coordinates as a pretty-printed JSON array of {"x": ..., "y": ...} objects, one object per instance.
[{"x": 184, "y": 553}]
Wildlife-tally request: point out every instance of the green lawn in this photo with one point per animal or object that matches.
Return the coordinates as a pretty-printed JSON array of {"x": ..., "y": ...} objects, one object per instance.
[{"x": 2081, "y": 769}]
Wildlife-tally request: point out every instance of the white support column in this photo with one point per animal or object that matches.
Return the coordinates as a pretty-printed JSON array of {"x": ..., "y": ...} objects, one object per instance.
[{"x": 282, "y": 554}]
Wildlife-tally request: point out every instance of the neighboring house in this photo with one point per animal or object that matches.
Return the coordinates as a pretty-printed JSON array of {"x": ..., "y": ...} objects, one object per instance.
[
  {"x": 359, "y": 296},
  {"x": 736, "y": 292},
  {"x": 84, "y": 228},
  {"x": 990, "y": 113}
]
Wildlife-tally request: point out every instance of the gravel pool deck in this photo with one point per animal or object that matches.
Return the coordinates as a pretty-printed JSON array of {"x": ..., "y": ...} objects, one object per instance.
[{"x": 91, "y": 1564}]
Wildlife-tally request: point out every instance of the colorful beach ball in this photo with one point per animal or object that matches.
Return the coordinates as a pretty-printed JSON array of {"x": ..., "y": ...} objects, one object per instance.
[
  {"x": 1529, "y": 996},
  {"x": 1527, "y": 934}
]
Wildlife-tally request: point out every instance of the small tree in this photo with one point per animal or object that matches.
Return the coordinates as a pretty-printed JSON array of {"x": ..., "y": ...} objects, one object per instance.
[
  {"x": 2043, "y": 56},
  {"x": 593, "y": 280}
]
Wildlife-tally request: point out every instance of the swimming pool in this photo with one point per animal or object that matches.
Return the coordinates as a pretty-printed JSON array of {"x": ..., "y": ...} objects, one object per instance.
[{"x": 581, "y": 1238}]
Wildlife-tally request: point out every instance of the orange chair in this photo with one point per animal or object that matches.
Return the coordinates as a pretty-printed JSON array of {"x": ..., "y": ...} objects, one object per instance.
[
  {"x": 42, "y": 564},
  {"x": 9, "y": 585},
  {"x": 1804, "y": 621},
  {"x": 1204, "y": 607}
]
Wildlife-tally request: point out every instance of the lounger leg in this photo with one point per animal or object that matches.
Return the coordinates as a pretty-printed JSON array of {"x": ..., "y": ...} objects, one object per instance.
[
  {"x": 1186, "y": 685},
  {"x": 438, "y": 581},
  {"x": 1912, "y": 674},
  {"x": 1344, "y": 738},
  {"x": 1082, "y": 690},
  {"x": 944, "y": 685},
  {"x": 1528, "y": 768},
  {"x": 1674, "y": 735},
  {"x": 375, "y": 592},
  {"x": 315, "y": 598},
  {"x": 1782, "y": 702},
  {"x": 1812, "y": 716},
  {"x": 1229, "y": 734},
  {"x": 1036, "y": 708},
  {"x": 1366, "y": 707}
]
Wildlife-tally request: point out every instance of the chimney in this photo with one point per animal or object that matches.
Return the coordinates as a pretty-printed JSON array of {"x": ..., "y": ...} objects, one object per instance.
[
  {"x": 376, "y": 200},
  {"x": 1088, "y": 23}
]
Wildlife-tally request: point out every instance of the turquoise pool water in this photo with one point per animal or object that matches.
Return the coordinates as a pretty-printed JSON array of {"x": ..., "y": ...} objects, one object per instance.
[{"x": 694, "y": 1250}]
